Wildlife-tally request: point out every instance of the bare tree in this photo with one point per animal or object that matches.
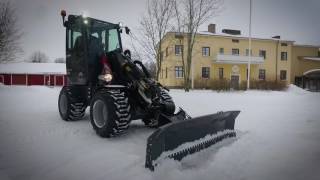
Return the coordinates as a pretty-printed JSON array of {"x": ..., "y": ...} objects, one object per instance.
[
  {"x": 60, "y": 60},
  {"x": 38, "y": 57},
  {"x": 151, "y": 67},
  {"x": 9, "y": 33},
  {"x": 190, "y": 14},
  {"x": 155, "y": 24}
]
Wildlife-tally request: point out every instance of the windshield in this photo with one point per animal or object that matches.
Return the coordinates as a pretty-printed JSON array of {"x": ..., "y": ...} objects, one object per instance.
[{"x": 106, "y": 34}]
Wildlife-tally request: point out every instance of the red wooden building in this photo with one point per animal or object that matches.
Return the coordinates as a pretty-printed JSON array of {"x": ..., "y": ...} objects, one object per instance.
[{"x": 49, "y": 74}]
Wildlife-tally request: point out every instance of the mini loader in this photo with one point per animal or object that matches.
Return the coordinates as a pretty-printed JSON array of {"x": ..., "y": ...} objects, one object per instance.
[{"x": 118, "y": 90}]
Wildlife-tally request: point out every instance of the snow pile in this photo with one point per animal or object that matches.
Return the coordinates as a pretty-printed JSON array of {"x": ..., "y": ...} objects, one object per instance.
[
  {"x": 33, "y": 68},
  {"x": 277, "y": 138},
  {"x": 296, "y": 90}
]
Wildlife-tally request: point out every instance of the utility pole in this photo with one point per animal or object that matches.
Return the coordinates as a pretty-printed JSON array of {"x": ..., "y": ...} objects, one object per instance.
[
  {"x": 277, "y": 51},
  {"x": 249, "y": 61},
  {"x": 192, "y": 74}
]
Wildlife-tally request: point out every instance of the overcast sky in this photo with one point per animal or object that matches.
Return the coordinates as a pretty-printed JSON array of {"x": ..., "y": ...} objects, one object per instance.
[{"x": 40, "y": 20}]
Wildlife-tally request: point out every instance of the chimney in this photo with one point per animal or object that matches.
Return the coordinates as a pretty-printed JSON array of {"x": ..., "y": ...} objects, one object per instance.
[{"x": 212, "y": 28}]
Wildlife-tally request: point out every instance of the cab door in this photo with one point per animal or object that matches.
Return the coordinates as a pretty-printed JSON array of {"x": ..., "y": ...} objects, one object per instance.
[{"x": 76, "y": 54}]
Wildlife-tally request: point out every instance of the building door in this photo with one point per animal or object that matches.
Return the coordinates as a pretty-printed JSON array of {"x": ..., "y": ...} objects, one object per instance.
[{"x": 234, "y": 84}]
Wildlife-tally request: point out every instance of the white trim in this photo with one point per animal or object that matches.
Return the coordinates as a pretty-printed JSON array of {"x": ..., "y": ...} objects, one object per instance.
[
  {"x": 26, "y": 79},
  {"x": 44, "y": 79},
  {"x": 238, "y": 59},
  {"x": 311, "y": 58},
  {"x": 310, "y": 71}
]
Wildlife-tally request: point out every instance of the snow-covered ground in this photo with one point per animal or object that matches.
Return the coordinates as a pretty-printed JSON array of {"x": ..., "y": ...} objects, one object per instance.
[{"x": 278, "y": 138}]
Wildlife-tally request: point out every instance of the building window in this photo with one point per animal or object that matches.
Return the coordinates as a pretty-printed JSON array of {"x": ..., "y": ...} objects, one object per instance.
[
  {"x": 247, "y": 52},
  {"x": 235, "y": 52},
  {"x": 263, "y": 53},
  {"x": 179, "y": 71},
  {"x": 284, "y": 56},
  {"x": 284, "y": 44},
  {"x": 262, "y": 74},
  {"x": 205, "y": 72},
  {"x": 166, "y": 72},
  {"x": 205, "y": 51},
  {"x": 220, "y": 73},
  {"x": 235, "y": 40},
  {"x": 221, "y": 51},
  {"x": 283, "y": 75},
  {"x": 167, "y": 51},
  {"x": 161, "y": 56},
  {"x": 161, "y": 74},
  {"x": 178, "y": 49}
]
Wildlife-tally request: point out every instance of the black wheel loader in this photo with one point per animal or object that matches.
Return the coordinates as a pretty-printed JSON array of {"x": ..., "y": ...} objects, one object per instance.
[{"x": 118, "y": 90}]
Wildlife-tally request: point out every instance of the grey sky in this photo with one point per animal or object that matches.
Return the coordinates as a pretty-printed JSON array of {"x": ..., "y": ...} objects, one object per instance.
[{"x": 40, "y": 20}]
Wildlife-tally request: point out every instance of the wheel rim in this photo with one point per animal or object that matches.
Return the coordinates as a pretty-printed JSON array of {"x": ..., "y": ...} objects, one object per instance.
[
  {"x": 63, "y": 104},
  {"x": 100, "y": 113}
]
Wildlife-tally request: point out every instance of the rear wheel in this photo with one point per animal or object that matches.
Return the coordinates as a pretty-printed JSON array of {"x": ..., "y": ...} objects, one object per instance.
[
  {"x": 71, "y": 107},
  {"x": 110, "y": 113}
]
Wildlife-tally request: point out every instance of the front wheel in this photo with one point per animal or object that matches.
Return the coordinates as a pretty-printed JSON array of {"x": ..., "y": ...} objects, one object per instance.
[{"x": 110, "y": 113}]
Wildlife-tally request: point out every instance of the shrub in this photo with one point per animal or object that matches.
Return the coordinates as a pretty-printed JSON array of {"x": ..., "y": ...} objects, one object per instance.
[
  {"x": 220, "y": 84},
  {"x": 265, "y": 85}
]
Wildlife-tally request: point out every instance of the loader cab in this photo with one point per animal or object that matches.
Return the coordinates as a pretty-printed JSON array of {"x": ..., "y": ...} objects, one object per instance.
[{"x": 87, "y": 40}]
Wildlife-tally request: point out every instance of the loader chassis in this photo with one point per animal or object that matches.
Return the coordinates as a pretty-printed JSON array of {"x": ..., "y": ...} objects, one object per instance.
[
  {"x": 131, "y": 94},
  {"x": 118, "y": 90}
]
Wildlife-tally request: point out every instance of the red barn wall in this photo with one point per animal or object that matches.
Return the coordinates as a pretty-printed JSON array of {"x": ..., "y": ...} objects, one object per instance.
[
  {"x": 59, "y": 80},
  {"x": 35, "y": 79},
  {"x": 1, "y": 78},
  {"x": 19, "y": 79},
  {"x": 6, "y": 79}
]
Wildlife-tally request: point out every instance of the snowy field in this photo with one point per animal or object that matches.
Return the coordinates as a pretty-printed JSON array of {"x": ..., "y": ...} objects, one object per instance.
[{"x": 278, "y": 139}]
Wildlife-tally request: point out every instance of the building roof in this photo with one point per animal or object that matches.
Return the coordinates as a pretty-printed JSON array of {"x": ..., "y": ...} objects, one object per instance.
[
  {"x": 242, "y": 37},
  {"x": 33, "y": 68},
  {"x": 307, "y": 46},
  {"x": 312, "y": 58},
  {"x": 206, "y": 33}
]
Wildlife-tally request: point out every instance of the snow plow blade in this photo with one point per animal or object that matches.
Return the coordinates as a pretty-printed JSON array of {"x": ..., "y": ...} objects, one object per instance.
[{"x": 181, "y": 138}]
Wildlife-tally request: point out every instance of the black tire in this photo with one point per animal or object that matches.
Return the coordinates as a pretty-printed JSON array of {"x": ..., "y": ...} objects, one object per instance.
[
  {"x": 71, "y": 107},
  {"x": 167, "y": 99},
  {"x": 110, "y": 112},
  {"x": 169, "y": 109}
]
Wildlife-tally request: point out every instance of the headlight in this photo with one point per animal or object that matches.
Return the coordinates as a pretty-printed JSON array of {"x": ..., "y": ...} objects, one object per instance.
[{"x": 105, "y": 77}]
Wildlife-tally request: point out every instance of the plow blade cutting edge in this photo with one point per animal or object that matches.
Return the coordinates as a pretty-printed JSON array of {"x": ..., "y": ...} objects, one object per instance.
[{"x": 179, "y": 139}]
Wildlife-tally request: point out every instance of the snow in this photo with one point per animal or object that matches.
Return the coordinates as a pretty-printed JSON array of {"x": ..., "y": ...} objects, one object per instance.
[
  {"x": 33, "y": 68},
  {"x": 277, "y": 138},
  {"x": 241, "y": 36}
]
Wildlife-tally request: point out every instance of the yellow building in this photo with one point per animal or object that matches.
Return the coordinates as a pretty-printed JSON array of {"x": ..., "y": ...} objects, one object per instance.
[{"x": 222, "y": 56}]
